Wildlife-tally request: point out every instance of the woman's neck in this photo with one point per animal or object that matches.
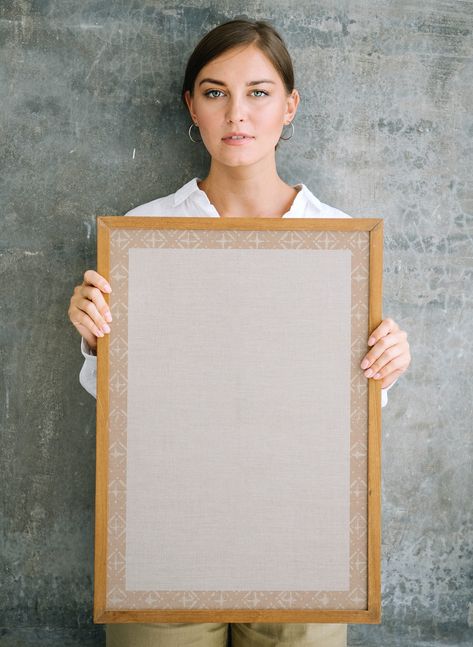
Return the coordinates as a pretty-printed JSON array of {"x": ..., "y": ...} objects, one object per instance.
[{"x": 246, "y": 192}]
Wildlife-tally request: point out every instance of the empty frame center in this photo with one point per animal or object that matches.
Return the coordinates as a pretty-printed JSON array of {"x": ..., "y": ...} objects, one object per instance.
[{"x": 241, "y": 359}]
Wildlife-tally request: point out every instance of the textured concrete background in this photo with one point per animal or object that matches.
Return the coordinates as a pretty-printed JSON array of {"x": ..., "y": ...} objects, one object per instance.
[{"x": 91, "y": 123}]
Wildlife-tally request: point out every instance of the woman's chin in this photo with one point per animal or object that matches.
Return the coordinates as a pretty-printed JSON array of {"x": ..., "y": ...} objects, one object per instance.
[{"x": 240, "y": 157}]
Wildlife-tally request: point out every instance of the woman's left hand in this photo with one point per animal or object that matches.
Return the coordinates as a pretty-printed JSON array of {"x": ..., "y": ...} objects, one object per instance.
[{"x": 390, "y": 355}]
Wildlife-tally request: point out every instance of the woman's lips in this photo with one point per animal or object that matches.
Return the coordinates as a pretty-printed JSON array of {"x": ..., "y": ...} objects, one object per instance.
[{"x": 237, "y": 142}]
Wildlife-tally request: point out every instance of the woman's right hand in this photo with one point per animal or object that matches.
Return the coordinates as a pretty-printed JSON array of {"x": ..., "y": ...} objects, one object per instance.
[{"x": 88, "y": 310}]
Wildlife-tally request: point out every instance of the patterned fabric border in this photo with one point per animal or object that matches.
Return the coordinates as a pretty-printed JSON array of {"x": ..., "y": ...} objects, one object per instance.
[{"x": 117, "y": 595}]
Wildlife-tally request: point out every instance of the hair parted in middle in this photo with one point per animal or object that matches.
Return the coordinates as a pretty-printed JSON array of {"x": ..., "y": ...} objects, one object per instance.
[{"x": 235, "y": 33}]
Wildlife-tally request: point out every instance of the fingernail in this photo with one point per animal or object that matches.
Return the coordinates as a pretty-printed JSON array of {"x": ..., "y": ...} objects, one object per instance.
[
  {"x": 369, "y": 373},
  {"x": 364, "y": 363},
  {"x": 106, "y": 328},
  {"x": 371, "y": 341},
  {"x": 108, "y": 316},
  {"x": 377, "y": 375},
  {"x": 107, "y": 288}
]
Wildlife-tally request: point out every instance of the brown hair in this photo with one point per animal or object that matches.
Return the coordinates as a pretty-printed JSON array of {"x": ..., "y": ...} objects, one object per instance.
[{"x": 232, "y": 34}]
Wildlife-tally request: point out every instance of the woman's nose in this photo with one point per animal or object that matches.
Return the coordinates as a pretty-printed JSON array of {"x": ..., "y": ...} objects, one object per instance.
[{"x": 235, "y": 110}]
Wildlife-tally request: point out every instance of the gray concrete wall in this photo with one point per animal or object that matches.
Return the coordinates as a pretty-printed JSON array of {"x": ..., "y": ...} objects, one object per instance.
[{"x": 91, "y": 123}]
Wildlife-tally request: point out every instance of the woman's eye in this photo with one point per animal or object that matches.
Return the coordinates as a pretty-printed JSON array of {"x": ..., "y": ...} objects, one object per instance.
[
  {"x": 209, "y": 93},
  {"x": 212, "y": 95}
]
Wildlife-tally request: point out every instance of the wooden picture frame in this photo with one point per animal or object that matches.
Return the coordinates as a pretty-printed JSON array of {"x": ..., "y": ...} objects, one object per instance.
[{"x": 248, "y": 325}]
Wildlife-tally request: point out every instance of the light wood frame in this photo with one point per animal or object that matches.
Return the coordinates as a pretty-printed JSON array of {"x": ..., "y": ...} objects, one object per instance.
[{"x": 104, "y": 612}]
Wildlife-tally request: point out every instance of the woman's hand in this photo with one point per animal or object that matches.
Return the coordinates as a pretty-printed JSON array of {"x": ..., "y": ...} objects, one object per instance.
[
  {"x": 390, "y": 355},
  {"x": 88, "y": 310}
]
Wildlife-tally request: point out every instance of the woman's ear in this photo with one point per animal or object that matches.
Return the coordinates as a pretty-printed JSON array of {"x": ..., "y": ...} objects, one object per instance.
[
  {"x": 190, "y": 104},
  {"x": 292, "y": 102}
]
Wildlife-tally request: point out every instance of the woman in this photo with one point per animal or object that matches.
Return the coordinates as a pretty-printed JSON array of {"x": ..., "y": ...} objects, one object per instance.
[{"x": 239, "y": 90}]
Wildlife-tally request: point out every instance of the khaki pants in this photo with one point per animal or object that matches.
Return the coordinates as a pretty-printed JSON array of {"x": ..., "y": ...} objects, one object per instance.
[{"x": 208, "y": 634}]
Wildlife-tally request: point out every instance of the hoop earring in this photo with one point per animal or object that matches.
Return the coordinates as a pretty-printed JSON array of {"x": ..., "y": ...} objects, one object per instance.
[
  {"x": 196, "y": 141},
  {"x": 286, "y": 138}
]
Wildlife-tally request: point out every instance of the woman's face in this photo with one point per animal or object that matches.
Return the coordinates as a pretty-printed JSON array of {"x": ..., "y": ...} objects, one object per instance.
[{"x": 241, "y": 92}]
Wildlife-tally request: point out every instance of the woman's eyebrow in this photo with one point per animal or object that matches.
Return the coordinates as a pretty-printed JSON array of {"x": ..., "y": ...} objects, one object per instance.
[{"x": 215, "y": 82}]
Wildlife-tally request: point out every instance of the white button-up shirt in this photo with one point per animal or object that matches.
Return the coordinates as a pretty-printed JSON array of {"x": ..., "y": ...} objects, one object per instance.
[{"x": 190, "y": 200}]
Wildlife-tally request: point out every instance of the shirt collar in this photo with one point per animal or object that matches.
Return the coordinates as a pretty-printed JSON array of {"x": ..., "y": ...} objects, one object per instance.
[
  {"x": 192, "y": 187},
  {"x": 185, "y": 191}
]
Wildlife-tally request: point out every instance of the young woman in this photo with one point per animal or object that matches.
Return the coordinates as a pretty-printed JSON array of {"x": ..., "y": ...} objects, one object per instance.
[{"x": 239, "y": 90}]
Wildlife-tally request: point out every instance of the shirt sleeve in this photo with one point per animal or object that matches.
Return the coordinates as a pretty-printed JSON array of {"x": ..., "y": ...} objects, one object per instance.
[
  {"x": 88, "y": 372},
  {"x": 384, "y": 393}
]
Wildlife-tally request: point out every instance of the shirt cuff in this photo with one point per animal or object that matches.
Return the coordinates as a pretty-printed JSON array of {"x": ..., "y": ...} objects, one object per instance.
[
  {"x": 86, "y": 349},
  {"x": 384, "y": 393},
  {"x": 388, "y": 387}
]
